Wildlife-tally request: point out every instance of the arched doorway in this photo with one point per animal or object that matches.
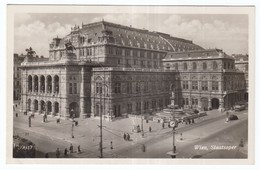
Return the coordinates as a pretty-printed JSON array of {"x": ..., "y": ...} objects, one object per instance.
[
  {"x": 29, "y": 104},
  {"x": 215, "y": 103},
  {"x": 49, "y": 108},
  {"x": 74, "y": 110},
  {"x": 36, "y": 105},
  {"x": 204, "y": 103},
  {"x": 43, "y": 107},
  {"x": 56, "y": 106}
]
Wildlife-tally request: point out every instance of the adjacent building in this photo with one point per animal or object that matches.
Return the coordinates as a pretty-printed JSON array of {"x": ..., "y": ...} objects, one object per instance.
[
  {"x": 207, "y": 79},
  {"x": 241, "y": 63},
  {"x": 118, "y": 70},
  {"x": 18, "y": 59}
]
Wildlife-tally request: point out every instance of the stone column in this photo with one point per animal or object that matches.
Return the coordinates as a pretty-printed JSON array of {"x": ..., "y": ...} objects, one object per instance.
[
  {"x": 46, "y": 87},
  {"x": 53, "y": 109},
  {"x": 220, "y": 86},
  {"x": 83, "y": 113},
  {"x": 52, "y": 86},
  {"x": 39, "y": 85},
  {"x": 199, "y": 104},
  {"x": 33, "y": 85},
  {"x": 209, "y": 104},
  {"x": 39, "y": 107}
]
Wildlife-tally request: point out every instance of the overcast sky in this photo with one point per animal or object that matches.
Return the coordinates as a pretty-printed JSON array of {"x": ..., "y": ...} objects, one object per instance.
[{"x": 227, "y": 32}]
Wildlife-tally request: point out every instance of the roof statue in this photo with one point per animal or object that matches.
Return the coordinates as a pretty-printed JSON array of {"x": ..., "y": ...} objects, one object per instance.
[
  {"x": 30, "y": 51},
  {"x": 69, "y": 47}
]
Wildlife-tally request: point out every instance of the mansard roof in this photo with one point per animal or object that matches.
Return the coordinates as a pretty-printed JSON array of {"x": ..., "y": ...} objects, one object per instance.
[
  {"x": 195, "y": 55},
  {"x": 128, "y": 36}
]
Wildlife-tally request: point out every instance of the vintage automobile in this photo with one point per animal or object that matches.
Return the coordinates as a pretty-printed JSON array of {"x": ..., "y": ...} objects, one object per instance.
[
  {"x": 239, "y": 107},
  {"x": 232, "y": 117}
]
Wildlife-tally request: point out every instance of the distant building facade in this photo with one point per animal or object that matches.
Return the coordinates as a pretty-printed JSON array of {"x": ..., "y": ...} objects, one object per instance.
[
  {"x": 241, "y": 63},
  {"x": 18, "y": 59},
  {"x": 114, "y": 70}
]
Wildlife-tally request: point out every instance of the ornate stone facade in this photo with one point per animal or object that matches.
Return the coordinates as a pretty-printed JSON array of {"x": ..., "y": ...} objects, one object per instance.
[
  {"x": 208, "y": 79},
  {"x": 117, "y": 70}
]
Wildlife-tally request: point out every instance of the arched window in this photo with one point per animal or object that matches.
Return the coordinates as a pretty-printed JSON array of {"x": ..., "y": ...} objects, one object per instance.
[
  {"x": 204, "y": 66},
  {"x": 29, "y": 83},
  {"x": 185, "y": 67},
  {"x": 215, "y": 65},
  {"x": 194, "y": 66}
]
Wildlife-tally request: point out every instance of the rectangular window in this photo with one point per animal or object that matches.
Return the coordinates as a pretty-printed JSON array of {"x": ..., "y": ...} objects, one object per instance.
[
  {"x": 194, "y": 102},
  {"x": 160, "y": 103},
  {"x": 137, "y": 87},
  {"x": 127, "y": 52},
  {"x": 204, "y": 85},
  {"x": 135, "y": 53},
  {"x": 118, "y": 51},
  {"x": 89, "y": 51},
  {"x": 215, "y": 85},
  {"x": 129, "y": 108},
  {"x": 117, "y": 88},
  {"x": 99, "y": 88},
  {"x": 194, "y": 85},
  {"x": 129, "y": 87},
  {"x": 138, "y": 107},
  {"x": 146, "y": 105},
  {"x": 185, "y": 85},
  {"x": 146, "y": 86},
  {"x": 110, "y": 50},
  {"x": 153, "y": 104},
  {"x": 75, "y": 88},
  {"x": 70, "y": 88}
]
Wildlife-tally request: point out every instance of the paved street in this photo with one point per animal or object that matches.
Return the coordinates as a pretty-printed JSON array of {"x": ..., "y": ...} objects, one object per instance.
[{"x": 49, "y": 136}]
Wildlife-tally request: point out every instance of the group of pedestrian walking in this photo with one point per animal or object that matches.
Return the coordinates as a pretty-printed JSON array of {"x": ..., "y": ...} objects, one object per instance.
[
  {"x": 66, "y": 151},
  {"x": 126, "y": 136}
]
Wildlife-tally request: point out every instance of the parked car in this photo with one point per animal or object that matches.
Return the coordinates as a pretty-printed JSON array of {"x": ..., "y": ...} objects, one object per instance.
[
  {"x": 232, "y": 117},
  {"x": 239, "y": 107}
]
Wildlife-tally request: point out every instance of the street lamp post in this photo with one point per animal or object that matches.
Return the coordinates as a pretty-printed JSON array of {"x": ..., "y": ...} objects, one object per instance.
[{"x": 173, "y": 124}]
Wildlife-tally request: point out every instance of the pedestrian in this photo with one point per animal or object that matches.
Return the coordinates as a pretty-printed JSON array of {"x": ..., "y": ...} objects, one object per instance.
[
  {"x": 150, "y": 129},
  {"x": 169, "y": 125},
  {"x": 57, "y": 153},
  {"x": 128, "y": 137},
  {"x": 58, "y": 120},
  {"x": 45, "y": 115},
  {"x": 143, "y": 147},
  {"x": 124, "y": 136},
  {"x": 111, "y": 145},
  {"x": 47, "y": 155},
  {"x": 43, "y": 119},
  {"x": 65, "y": 152},
  {"x": 16, "y": 114},
  {"x": 189, "y": 121},
  {"x": 163, "y": 125},
  {"x": 78, "y": 149},
  {"x": 29, "y": 121},
  {"x": 71, "y": 148},
  {"x": 193, "y": 121}
]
